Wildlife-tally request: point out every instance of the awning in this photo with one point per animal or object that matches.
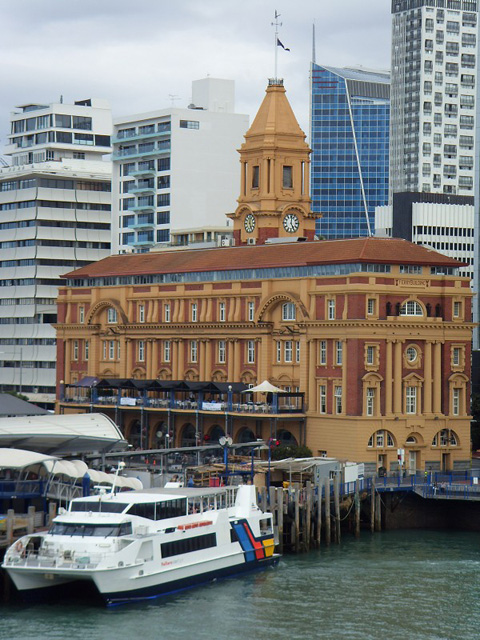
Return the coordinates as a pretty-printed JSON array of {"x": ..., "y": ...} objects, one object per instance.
[
  {"x": 19, "y": 459},
  {"x": 62, "y": 434}
]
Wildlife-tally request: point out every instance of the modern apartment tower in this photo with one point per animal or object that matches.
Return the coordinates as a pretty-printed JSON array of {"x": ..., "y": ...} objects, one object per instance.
[
  {"x": 432, "y": 133},
  {"x": 350, "y": 112},
  {"x": 176, "y": 168},
  {"x": 55, "y": 207},
  {"x": 434, "y": 46}
]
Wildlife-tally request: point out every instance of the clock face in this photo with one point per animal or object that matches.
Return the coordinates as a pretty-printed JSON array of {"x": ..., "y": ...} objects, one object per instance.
[
  {"x": 291, "y": 223},
  {"x": 249, "y": 223}
]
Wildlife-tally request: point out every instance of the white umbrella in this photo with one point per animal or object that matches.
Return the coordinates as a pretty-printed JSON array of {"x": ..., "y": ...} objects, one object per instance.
[{"x": 264, "y": 387}]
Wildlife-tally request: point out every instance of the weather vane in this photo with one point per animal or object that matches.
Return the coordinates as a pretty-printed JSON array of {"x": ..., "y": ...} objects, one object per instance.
[{"x": 278, "y": 43}]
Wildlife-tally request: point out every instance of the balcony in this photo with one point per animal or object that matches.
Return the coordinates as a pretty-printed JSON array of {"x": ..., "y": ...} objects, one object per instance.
[
  {"x": 142, "y": 190},
  {"x": 141, "y": 136},
  {"x": 131, "y": 154}
]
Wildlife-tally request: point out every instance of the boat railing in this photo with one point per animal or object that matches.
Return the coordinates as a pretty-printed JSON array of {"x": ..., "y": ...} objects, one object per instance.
[{"x": 55, "y": 560}]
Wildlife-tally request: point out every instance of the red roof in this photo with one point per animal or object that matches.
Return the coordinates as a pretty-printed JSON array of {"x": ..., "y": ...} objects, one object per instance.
[{"x": 296, "y": 254}]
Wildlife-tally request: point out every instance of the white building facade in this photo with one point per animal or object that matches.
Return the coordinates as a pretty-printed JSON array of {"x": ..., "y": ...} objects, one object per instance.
[
  {"x": 55, "y": 208},
  {"x": 176, "y": 169},
  {"x": 433, "y": 95}
]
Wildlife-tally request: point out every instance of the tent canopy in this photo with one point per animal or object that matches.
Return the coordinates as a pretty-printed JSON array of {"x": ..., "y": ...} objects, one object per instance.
[
  {"x": 19, "y": 459},
  {"x": 264, "y": 387}
]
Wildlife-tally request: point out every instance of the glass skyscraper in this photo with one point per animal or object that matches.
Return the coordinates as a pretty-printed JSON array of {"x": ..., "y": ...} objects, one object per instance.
[{"x": 350, "y": 113}]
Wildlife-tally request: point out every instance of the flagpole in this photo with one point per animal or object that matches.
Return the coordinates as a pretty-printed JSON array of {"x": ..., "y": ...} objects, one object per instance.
[{"x": 276, "y": 24}]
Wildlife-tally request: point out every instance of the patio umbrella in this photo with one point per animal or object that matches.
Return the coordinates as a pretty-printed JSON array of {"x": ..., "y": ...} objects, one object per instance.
[{"x": 264, "y": 387}]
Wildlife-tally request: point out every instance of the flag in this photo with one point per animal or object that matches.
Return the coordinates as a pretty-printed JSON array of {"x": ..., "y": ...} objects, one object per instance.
[{"x": 280, "y": 44}]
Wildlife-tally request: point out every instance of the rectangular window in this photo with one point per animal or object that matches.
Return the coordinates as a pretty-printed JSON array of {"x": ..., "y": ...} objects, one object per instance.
[
  {"x": 297, "y": 351},
  {"x": 87, "y": 349},
  {"x": 371, "y": 306},
  {"x": 75, "y": 349},
  {"x": 81, "y": 315},
  {"x": 370, "y": 401},
  {"x": 111, "y": 349},
  {"x": 251, "y": 311},
  {"x": 189, "y": 124},
  {"x": 457, "y": 309},
  {"x": 104, "y": 349},
  {"x": 222, "y": 350},
  {"x": 456, "y": 356},
  {"x": 141, "y": 313},
  {"x": 288, "y": 350},
  {"x": 287, "y": 177},
  {"x": 323, "y": 352},
  {"x": 331, "y": 309},
  {"x": 279, "y": 351},
  {"x": 166, "y": 313},
  {"x": 288, "y": 311},
  {"x": 193, "y": 350},
  {"x": 118, "y": 350},
  {"x": 193, "y": 309},
  {"x": 411, "y": 400},
  {"x": 456, "y": 402},
  {"x": 166, "y": 350},
  {"x": 141, "y": 351},
  {"x": 251, "y": 351},
  {"x": 323, "y": 398},
  {"x": 370, "y": 354},
  {"x": 255, "y": 176},
  {"x": 221, "y": 311},
  {"x": 111, "y": 315},
  {"x": 338, "y": 399},
  {"x": 339, "y": 352}
]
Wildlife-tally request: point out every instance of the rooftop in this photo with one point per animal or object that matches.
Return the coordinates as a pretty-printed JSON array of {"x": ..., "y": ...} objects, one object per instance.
[{"x": 358, "y": 250}]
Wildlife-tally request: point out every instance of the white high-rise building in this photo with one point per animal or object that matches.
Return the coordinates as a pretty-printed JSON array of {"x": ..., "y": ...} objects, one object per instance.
[
  {"x": 432, "y": 124},
  {"x": 55, "y": 208},
  {"x": 176, "y": 169}
]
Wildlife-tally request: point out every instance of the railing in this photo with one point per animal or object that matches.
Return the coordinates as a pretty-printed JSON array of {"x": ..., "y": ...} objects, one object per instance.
[{"x": 190, "y": 405}]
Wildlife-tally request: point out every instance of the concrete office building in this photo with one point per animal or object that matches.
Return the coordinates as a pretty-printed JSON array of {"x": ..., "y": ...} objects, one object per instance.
[
  {"x": 55, "y": 204},
  {"x": 349, "y": 132},
  {"x": 176, "y": 168}
]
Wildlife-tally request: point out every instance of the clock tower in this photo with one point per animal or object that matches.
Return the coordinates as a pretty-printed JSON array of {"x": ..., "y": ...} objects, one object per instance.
[{"x": 274, "y": 198}]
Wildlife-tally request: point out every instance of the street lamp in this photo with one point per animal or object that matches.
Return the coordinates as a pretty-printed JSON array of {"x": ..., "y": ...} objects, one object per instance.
[{"x": 225, "y": 442}]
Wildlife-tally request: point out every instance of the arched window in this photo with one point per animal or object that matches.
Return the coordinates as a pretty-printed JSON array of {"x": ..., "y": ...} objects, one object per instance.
[
  {"x": 445, "y": 438},
  {"x": 381, "y": 439},
  {"x": 411, "y": 308},
  {"x": 411, "y": 440},
  {"x": 286, "y": 438},
  {"x": 188, "y": 438}
]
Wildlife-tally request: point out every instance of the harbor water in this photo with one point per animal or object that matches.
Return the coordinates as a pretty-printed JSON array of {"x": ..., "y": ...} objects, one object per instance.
[{"x": 399, "y": 585}]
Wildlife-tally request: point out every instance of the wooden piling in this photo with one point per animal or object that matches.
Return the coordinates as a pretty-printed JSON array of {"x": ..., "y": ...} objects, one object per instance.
[
  {"x": 378, "y": 513},
  {"x": 372, "y": 507},
  {"x": 9, "y": 525},
  {"x": 318, "y": 538},
  {"x": 280, "y": 519},
  {"x": 52, "y": 512},
  {"x": 328, "y": 524},
  {"x": 336, "y": 498},
  {"x": 357, "y": 509},
  {"x": 31, "y": 520},
  {"x": 296, "y": 496},
  {"x": 308, "y": 516}
]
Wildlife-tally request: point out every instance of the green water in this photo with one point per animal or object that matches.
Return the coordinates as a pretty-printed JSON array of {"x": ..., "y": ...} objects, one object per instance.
[{"x": 412, "y": 585}]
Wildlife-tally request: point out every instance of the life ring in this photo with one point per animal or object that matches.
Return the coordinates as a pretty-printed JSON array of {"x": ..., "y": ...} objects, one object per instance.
[{"x": 19, "y": 548}]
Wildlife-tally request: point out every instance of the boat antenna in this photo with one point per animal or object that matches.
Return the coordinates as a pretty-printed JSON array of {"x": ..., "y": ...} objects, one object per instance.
[{"x": 120, "y": 467}]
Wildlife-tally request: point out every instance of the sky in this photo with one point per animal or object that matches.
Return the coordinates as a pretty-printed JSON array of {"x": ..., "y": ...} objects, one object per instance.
[{"x": 142, "y": 55}]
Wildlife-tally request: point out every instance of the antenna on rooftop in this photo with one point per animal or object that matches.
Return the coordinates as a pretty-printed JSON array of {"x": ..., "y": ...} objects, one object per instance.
[
  {"x": 278, "y": 43},
  {"x": 61, "y": 99},
  {"x": 173, "y": 97}
]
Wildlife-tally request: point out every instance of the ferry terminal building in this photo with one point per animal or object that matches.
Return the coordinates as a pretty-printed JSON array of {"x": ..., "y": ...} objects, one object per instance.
[{"x": 370, "y": 338}]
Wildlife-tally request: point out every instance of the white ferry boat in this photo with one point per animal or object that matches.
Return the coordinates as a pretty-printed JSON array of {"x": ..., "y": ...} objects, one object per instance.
[{"x": 142, "y": 544}]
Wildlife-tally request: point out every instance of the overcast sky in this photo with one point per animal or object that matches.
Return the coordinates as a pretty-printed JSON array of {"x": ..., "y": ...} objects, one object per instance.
[{"x": 138, "y": 53}]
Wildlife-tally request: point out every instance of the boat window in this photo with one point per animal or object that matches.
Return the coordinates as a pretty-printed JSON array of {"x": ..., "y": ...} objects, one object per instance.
[
  {"x": 100, "y": 505},
  {"x": 265, "y": 526},
  {"x": 93, "y": 530},
  {"x": 160, "y": 510},
  {"x": 187, "y": 545},
  {"x": 143, "y": 509}
]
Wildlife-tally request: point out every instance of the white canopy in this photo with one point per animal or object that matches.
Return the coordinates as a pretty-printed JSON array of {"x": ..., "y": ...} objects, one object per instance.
[
  {"x": 62, "y": 434},
  {"x": 19, "y": 459},
  {"x": 264, "y": 387}
]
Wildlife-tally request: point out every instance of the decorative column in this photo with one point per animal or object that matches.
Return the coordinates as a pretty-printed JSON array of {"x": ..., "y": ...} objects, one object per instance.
[
  {"x": 236, "y": 360},
  {"x": 427, "y": 392},
  {"x": 148, "y": 359},
  {"x": 201, "y": 360},
  {"x": 174, "y": 359},
  {"x": 181, "y": 359},
  {"x": 311, "y": 399},
  {"x": 437, "y": 378},
  {"x": 208, "y": 360},
  {"x": 345, "y": 397},
  {"x": 388, "y": 378},
  {"x": 397, "y": 379},
  {"x": 230, "y": 356},
  {"x": 128, "y": 357}
]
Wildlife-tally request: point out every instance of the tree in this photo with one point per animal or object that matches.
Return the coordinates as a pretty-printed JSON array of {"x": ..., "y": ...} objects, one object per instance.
[
  {"x": 290, "y": 451},
  {"x": 18, "y": 395}
]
